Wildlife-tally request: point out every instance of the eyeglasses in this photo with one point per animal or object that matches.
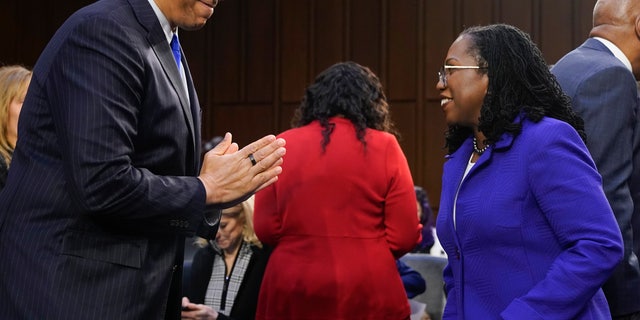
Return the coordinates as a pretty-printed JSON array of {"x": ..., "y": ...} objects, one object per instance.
[{"x": 444, "y": 71}]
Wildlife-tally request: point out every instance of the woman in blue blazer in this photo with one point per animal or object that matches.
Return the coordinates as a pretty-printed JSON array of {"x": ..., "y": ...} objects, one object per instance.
[{"x": 523, "y": 218}]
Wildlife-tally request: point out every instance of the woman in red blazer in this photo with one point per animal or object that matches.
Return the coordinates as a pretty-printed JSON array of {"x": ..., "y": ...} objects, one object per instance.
[{"x": 342, "y": 210}]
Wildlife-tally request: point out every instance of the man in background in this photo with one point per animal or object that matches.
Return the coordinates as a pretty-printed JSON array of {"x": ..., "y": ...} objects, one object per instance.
[
  {"x": 105, "y": 180},
  {"x": 600, "y": 77}
]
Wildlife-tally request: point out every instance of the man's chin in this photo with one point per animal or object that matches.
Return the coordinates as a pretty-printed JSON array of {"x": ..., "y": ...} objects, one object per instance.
[{"x": 195, "y": 26}]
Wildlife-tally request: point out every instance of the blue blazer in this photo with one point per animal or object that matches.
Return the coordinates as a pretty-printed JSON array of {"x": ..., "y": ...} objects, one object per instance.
[
  {"x": 604, "y": 92},
  {"x": 103, "y": 183},
  {"x": 533, "y": 236}
]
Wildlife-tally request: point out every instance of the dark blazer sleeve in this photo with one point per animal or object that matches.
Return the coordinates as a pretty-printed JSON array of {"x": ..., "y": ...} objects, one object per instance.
[
  {"x": 201, "y": 269},
  {"x": 121, "y": 127}
]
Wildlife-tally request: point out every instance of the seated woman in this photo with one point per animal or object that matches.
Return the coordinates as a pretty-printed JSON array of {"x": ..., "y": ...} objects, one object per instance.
[
  {"x": 226, "y": 273},
  {"x": 14, "y": 81}
]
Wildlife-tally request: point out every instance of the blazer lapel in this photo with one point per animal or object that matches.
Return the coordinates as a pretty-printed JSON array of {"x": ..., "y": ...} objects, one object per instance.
[
  {"x": 156, "y": 37},
  {"x": 165, "y": 56},
  {"x": 195, "y": 113}
]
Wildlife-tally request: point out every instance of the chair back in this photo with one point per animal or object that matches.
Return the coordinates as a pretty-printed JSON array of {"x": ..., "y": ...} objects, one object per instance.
[{"x": 430, "y": 267}]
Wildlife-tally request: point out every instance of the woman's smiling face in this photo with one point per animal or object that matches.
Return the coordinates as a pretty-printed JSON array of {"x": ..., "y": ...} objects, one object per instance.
[{"x": 463, "y": 92}]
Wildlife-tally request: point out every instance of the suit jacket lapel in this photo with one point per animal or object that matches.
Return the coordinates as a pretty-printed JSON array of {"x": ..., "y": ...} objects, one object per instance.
[
  {"x": 165, "y": 56},
  {"x": 195, "y": 114},
  {"x": 156, "y": 37}
]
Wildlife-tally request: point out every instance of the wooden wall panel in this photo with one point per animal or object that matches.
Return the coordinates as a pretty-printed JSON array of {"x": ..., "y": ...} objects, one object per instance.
[
  {"x": 402, "y": 50},
  {"x": 403, "y": 114},
  {"x": 10, "y": 44},
  {"x": 517, "y": 13},
  {"x": 260, "y": 51},
  {"x": 329, "y": 34},
  {"x": 582, "y": 20},
  {"x": 365, "y": 33},
  {"x": 556, "y": 36},
  {"x": 295, "y": 48},
  {"x": 227, "y": 51},
  {"x": 432, "y": 150},
  {"x": 246, "y": 122},
  {"x": 198, "y": 53},
  {"x": 476, "y": 12},
  {"x": 28, "y": 26},
  {"x": 286, "y": 115},
  {"x": 439, "y": 33}
]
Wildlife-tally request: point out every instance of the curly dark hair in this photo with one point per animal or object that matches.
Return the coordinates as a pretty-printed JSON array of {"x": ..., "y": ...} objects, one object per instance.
[
  {"x": 349, "y": 90},
  {"x": 519, "y": 82}
]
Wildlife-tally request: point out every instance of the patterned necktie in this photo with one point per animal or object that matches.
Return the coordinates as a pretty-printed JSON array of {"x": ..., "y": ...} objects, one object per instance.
[{"x": 175, "y": 47}]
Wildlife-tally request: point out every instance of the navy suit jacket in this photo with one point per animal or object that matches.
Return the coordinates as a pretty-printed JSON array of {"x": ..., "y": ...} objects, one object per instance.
[
  {"x": 604, "y": 92},
  {"x": 103, "y": 186},
  {"x": 533, "y": 236}
]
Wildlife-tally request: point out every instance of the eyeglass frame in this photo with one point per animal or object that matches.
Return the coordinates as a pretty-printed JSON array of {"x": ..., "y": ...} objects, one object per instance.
[{"x": 442, "y": 74}]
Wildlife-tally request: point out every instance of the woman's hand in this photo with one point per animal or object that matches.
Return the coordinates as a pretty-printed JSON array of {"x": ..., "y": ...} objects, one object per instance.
[{"x": 197, "y": 311}]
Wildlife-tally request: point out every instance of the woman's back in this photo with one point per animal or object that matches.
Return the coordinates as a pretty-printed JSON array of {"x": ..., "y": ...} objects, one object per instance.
[{"x": 337, "y": 219}]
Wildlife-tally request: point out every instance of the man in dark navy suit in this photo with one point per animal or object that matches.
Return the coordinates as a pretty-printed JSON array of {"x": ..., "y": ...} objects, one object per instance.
[
  {"x": 600, "y": 77},
  {"x": 106, "y": 180}
]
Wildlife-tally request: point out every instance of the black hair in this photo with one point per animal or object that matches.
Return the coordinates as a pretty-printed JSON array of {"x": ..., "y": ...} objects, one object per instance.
[
  {"x": 423, "y": 200},
  {"x": 349, "y": 90},
  {"x": 519, "y": 82}
]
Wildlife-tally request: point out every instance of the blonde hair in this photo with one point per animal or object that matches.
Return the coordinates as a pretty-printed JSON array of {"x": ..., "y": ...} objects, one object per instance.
[
  {"x": 14, "y": 81},
  {"x": 245, "y": 216}
]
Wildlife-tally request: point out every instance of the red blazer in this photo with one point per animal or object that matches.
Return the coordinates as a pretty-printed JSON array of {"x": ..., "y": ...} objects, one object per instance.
[{"x": 337, "y": 221}]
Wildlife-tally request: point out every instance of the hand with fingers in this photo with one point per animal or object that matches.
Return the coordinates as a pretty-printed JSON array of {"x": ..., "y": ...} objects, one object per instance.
[
  {"x": 230, "y": 174},
  {"x": 193, "y": 311}
]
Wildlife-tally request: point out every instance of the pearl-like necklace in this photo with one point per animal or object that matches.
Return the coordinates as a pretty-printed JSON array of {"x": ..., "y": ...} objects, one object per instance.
[{"x": 475, "y": 147}]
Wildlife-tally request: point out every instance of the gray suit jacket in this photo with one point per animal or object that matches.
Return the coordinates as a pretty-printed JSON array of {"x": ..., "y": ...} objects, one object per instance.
[
  {"x": 102, "y": 187},
  {"x": 604, "y": 92}
]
